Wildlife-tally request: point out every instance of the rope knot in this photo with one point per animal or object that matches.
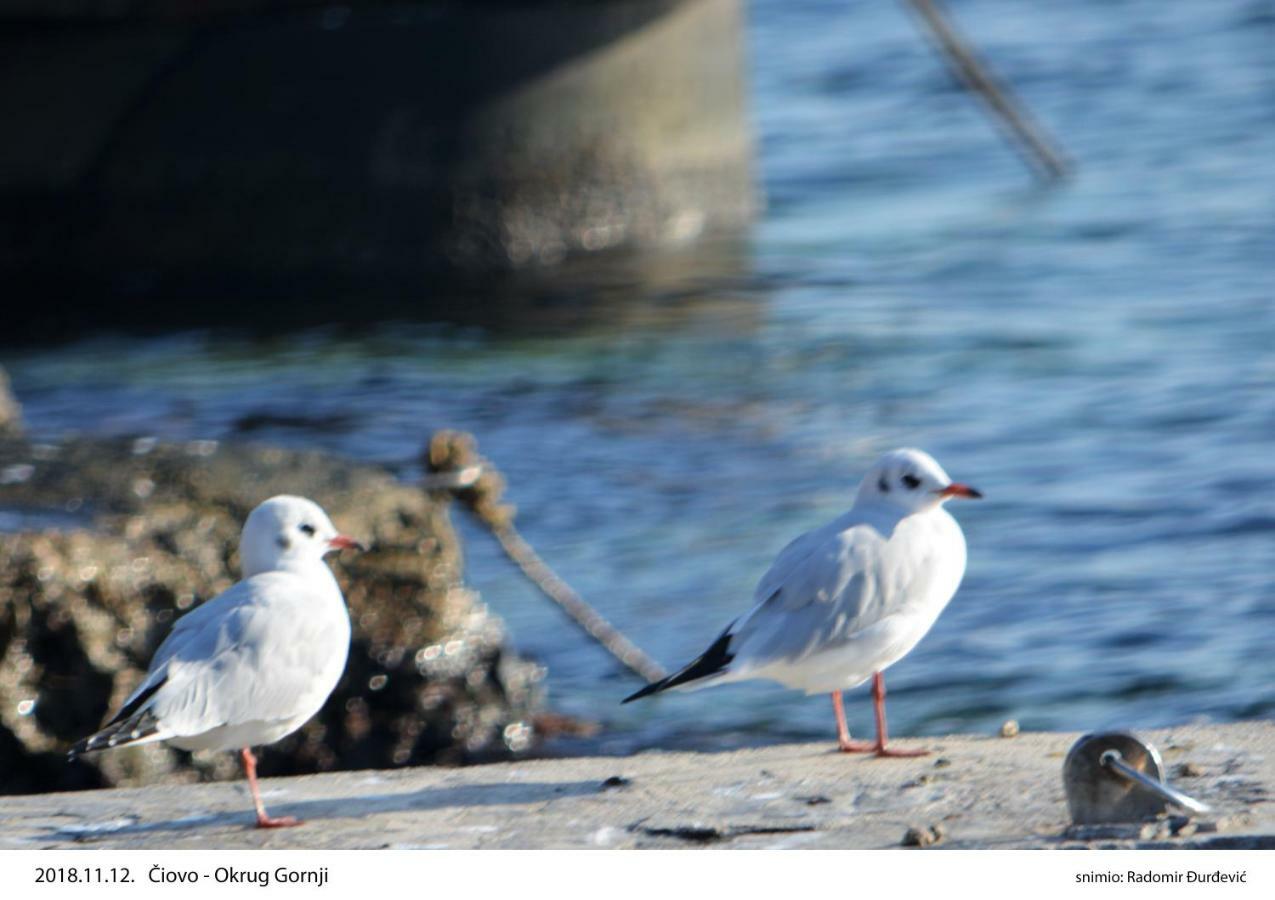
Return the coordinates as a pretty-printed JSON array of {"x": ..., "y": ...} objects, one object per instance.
[{"x": 453, "y": 461}]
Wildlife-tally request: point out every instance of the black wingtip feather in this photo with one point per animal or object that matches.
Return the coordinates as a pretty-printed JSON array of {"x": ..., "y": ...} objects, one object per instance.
[
  {"x": 128, "y": 709},
  {"x": 117, "y": 736},
  {"x": 713, "y": 660},
  {"x": 128, "y": 725}
]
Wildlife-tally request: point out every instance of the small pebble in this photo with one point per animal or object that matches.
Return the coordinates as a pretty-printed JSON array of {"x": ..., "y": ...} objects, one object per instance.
[
  {"x": 1168, "y": 827},
  {"x": 616, "y": 781},
  {"x": 1010, "y": 728},
  {"x": 1187, "y": 770},
  {"x": 942, "y": 762},
  {"x": 1225, "y": 823},
  {"x": 814, "y": 800},
  {"x": 923, "y": 835}
]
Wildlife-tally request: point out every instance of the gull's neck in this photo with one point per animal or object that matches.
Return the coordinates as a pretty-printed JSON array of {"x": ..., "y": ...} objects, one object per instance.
[
  {"x": 875, "y": 509},
  {"x": 309, "y": 568}
]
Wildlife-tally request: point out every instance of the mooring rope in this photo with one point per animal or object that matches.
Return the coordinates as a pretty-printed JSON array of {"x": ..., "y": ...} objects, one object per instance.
[{"x": 455, "y": 468}]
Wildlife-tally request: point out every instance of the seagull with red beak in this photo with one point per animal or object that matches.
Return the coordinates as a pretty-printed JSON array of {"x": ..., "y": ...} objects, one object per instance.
[
  {"x": 254, "y": 663},
  {"x": 846, "y": 601}
]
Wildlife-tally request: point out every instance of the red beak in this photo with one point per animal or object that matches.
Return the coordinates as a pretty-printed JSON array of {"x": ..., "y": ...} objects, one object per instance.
[
  {"x": 344, "y": 542},
  {"x": 956, "y": 489}
]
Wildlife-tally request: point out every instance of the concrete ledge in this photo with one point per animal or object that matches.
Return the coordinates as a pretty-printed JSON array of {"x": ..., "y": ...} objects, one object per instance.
[{"x": 981, "y": 791}]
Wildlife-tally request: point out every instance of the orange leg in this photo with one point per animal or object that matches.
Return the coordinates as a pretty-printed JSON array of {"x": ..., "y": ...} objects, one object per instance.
[
  {"x": 263, "y": 820},
  {"x": 844, "y": 744},
  {"x": 878, "y": 703}
]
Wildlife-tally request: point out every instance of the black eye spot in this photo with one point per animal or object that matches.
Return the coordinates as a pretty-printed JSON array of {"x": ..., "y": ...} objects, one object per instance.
[
  {"x": 882, "y": 485},
  {"x": 911, "y": 481},
  {"x": 283, "y": 542},
  {"x": 308, "y": 530}
]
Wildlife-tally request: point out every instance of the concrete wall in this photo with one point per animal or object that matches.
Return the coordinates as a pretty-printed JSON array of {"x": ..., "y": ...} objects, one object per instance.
[{"x": 153, "y": 153}]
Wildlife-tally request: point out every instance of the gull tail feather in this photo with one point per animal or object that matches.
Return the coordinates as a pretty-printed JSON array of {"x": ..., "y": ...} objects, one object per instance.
[{"x": 712, "y": 661}]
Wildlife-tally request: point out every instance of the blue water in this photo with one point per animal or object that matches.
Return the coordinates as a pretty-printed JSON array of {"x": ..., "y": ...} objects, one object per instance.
[{"x": 1096, "y": 357}]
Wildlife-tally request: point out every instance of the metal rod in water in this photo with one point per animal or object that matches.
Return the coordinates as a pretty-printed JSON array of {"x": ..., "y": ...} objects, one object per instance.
[
  {"x": 1112, "y": 760},
  {"x": 1048, "y": 161}
]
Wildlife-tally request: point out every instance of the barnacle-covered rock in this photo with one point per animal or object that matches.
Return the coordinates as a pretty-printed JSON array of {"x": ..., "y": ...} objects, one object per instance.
[{"x": 106, "y": 543}]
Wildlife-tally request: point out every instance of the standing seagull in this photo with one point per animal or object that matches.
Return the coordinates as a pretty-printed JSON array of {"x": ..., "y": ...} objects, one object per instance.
[
  {"x": 252, "y": 664},
  {"x": 844, "y": 602}
]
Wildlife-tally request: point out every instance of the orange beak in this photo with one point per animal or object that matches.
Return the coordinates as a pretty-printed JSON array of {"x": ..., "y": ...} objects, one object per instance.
[
  {"x": 956, "y": 489},
  {"x": 344, "y": 542}
]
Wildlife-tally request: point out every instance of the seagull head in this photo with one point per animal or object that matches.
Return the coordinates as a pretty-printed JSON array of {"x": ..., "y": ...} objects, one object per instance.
[
  {"x": 287, "y": 532},
  {"x": 912, "y": 480}
]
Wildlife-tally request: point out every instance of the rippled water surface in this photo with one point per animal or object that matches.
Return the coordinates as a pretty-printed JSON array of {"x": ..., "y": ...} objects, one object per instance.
[{"x": 1096, "y": 357}]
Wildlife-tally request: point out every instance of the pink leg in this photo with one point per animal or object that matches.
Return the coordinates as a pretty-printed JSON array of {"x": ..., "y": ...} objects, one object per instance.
[
  {"x": 844, "y": 744},
  {"x": 878, "y": 703},
  {"x": 263, "y": 820}
]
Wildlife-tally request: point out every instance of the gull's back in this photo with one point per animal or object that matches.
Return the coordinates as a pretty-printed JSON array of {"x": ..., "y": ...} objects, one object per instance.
[
  {"x": 267, "y": 654},
  {"x": 247, "y": 667},
  {"x": 848, "y": 599}
]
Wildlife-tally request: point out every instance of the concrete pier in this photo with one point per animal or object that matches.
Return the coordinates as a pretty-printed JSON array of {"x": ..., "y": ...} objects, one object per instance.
[
  {"x": 283, "y": 149},
  {"x": 972, "y": 792}
]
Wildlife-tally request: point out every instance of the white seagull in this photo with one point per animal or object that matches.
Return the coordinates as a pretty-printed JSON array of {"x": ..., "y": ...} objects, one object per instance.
[
  {"x": 252, "y": 664},
  {"x": 844, "y": 602}
]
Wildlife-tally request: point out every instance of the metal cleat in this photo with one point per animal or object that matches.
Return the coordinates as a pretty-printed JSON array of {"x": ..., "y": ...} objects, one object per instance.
[{"x": 1116, "y": 777}]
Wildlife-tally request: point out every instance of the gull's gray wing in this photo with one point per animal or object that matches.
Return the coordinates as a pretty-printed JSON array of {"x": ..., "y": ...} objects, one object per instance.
[
  {"x": 830, "y": 586},
  {"x": 848, "y": 594},
  {"x": 794, "y": 556},
  {"x": 254, "y": 653}
]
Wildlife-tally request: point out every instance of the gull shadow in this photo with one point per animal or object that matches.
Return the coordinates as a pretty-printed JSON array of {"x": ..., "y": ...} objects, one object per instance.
[{"x": 345, "y": 808}]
